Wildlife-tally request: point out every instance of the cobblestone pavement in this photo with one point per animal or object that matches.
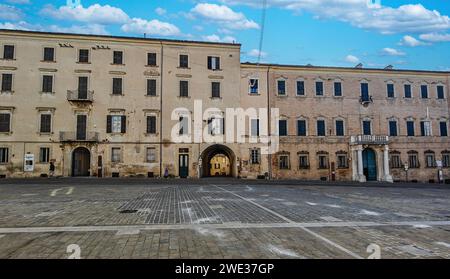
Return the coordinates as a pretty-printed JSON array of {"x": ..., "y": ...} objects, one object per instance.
[{"x": 221, "y": 219}]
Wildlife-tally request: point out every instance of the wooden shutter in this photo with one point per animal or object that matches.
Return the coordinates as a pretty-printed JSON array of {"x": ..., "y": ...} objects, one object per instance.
[
  {"x": 123, "y": 124},
  {"x": 5, "y": 119},
  {"x": 109, "y": 124}
]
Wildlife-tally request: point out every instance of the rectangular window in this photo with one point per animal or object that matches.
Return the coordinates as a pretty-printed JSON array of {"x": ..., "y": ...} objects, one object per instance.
[
  {"x": 151, "y": 155},
  {"x": 151, "y": 59},
  {"x": 6, "y": 82},
  {"x": 215, "y": 89},
  {"x": 82, "y": 88},
  {"x": 408, "y": 92},
  {"x": 83, "y": 56},
  {"x": 184, "y": 61},
  {"x": 413, "y": 161},
  {"x": 425, "y": 128},
  {"x": 430, "y": 160},
  {"x": 367, "y": 128},
  {"x": 184, "y": 88},
  {"x": 116, "y": 124},
  {"x": 47, "y": 84},
  {"x": 303, "y": 161},
  {"x": 342, "y": 161},
  {"x": 184, "y": 125},
  {"x": 393, "y": 131},
  {"x": 254, "y": 86},
  {"x": 116, "y": 155},
  {"x": 340, "y": 128},
  {"x": 44, "y": 155},
  {"x": 8, "y": 52},
  {"x": 395, "y": 161},
  {"x": 319, "y": 88},
  {"x": 215, "y": 126},
  {"x": 446, "y": 160},
  {"x": 300, "y": 88},
  {"x": 424, "y": 91},
  {"x": 440, "y": 92},
  {"x": 281, "y": 87},
  {"x": 443, "y": 128},
  {"x": 5, "y": 122},
  {"x": 213, "y": 63},
  {"x": 283, "y": 163},
  {"x": 410, "y": 128},
  {"x": 301, "y": 128},
  {"x": 117, "y": 86},
  {"x": 365, "y": 97},
  {"x": 46, "y": 123},
  {"x": 4, "y": 155},
  {"x": 151, "y": 87},
  {"x": 282, "y": 126},
  {"x": 338, "y": 89},
  {"x": 49, "y": 54},
  {"x": 321, "y": 128},
  {"x": 323, "y": 161},
  {"x": 390, "y": 91},
  {"x": 118, "y": 58},
  {"x": 255, "y": 127},
  {"x": 255, "y": 156},
  {"x": 151, "y": 124}
]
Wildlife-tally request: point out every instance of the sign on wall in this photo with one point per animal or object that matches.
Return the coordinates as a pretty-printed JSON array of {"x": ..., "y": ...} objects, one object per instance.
[{"x": 29, "y": 163}]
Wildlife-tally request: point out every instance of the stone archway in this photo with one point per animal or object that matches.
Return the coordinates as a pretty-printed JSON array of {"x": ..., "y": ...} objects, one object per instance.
[
  {"x": 81, "y": 162},
  {"x": 226, "y": 168}
]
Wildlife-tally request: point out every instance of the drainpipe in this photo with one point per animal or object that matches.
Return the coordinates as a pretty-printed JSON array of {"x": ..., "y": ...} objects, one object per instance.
[{"x": 161, "y": 113}]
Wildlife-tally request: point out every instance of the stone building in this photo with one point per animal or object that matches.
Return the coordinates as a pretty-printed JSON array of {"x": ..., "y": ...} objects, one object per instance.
[{"x": 117, "y": 106}]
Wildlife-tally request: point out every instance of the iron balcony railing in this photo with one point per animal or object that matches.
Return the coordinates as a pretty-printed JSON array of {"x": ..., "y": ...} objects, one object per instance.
[
  {"x": 80, "y": 96},
  {"x": 78, "y": 137},
  {"x": 369, "y": 139}
]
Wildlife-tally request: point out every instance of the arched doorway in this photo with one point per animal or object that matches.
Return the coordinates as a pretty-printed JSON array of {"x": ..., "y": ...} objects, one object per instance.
[
  {"x": 370, "y": 164},
  {"x": 81, "y": 162},
  {"x": 218, "y": 161}
]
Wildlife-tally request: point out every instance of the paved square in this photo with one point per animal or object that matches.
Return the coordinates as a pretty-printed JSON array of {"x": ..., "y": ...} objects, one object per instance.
[{"x": 231, "y": 219}]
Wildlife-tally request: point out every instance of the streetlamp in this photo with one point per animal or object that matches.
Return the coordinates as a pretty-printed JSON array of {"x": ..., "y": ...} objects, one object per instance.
[{"x": 406, "y": 171}]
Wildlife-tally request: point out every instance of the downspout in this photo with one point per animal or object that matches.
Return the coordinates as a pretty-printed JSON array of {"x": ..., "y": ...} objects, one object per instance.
[
  {"x": 161, "y": 113},
  {"x": 269, "y": 112}
]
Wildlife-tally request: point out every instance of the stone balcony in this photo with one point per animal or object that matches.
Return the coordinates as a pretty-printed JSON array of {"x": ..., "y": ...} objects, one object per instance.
[
  {"x": 80, "y": 96},
  {"x": 76, "y": 137},
  {"x": 369, "y": 139}
]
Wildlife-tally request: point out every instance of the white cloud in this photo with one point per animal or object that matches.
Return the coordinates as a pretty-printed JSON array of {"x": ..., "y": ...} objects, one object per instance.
[
  {"x": 412, "y": 18},
  {"x": 392, "y": 52},
  {"x": 152, "y": 27},
  {"x": 256, "y": 53},
  {"x": 160, "y": 11},
  {"x": 18, "y": 2},
  {"x": 10, "y": 13},
  {"x": 215, "y": 38},
  {"x": 411, "y": 41},
  {"x": 435, "y": 37},
  {"x": 81, "y": 29},
  {"x": 352, "y": 59},
  {"x": 223, "y": 15}
]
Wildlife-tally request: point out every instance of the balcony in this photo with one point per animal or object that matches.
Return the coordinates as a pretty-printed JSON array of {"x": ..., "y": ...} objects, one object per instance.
[
  {"x": 80, "y": 96},
  {"x": 369, "y": 139},
  {"x": 366, "y": 100},
  {"x": 78, "y": 137}
]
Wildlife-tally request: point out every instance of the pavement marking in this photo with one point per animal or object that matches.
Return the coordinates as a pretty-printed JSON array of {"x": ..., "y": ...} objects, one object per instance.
[
  {"x": 283, "y": 251},
  {"x": 370, "y": 213},
  {"x": 443, "y": 244},
  {"x": 69, "y": 191}
]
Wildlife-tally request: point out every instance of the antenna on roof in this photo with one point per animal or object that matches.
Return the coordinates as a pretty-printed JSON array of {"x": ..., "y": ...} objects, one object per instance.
[
  {"x": 359, "y": 66},
  {"x": 145, "y": 35},
  {"x": 389, "y": 67}
]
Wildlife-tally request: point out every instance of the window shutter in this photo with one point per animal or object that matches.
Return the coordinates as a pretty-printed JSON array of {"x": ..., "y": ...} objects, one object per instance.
[
  {"x": 109, "y": 124},
  {"x": 123, "y": 124},
  {"x": 218, "y": 63},
  {"x": 210, "y": 62}
]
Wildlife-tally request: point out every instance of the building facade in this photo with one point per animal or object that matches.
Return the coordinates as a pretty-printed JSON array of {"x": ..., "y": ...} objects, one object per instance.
[{"x": 119, "y": 107}]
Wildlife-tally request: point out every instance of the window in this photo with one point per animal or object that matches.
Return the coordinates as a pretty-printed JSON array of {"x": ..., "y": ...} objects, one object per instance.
[
  {"x": 300, "y": 88},
  {"x": 254, "y": 86},
  {"x": 82, "y": 87},
  {"x": 6, "y": 82},
  {"x": 118, "y": 58},
  {"x": 46, "y": 123},
  {"x": 8, "y": 52},
  {"x": 151, "y": 124},
  {"x": 367, "y": 127},
  {"x": 413, "y": 160},
  {"x": 440, "y": 92},
  {"x": 390, "y": 90},
  {"x": 425, "y": 128},
  {"x": 254, "y": 128},
  {"x": 340, "y": 128},
  {"x": 319, "y": 88},
  {"x": 116, "y": 124},
  {"x": 215, "y": 126},
  {"x": 151, "y": 59},
  {"x": 47, "y": 84},
  {"x": 117, "y": 86},
  {"x": 446, "y": 159},
  {"x": 151, "y": 87},
  {"x": 215, "y": 89},
  {"x": 443, "y": 128},
  {"x": 44, "y": 155},
  {"x": 430, "y": 159},
  {"x": 338, "y": 89},
  {"x": 301, "y": 128},
  {"x": 424, "y": 91},
  {"x": 303, "y": 161},
  {"x": 116, "y": 155},
  {"x": 395, "y": 161},
  {"x": 184, "y": 61},
  {"x": 283, "y": 162},
  {"x": 213, "y": 63},
  {"x": 49, "y": 54},
  {"x": 184, "y": 88},
  {"x": 151, "y": 155},
  {"x": 393, "y": 131},
  {"x": 410, "y": 128},
  {"x": 83, "y": 56},
  {"x": 282, "y": 126},
  {"x": 323, "y": 161},
  {"x": 365, "y": 92},
  {"x": 255, "y": 156},
  {"x": 5, "y": 122},
  {"x": 184, "y": 125},
  {"x": 321, "y": 128},
  {"x": 342, "y": 161},
  {"x": 4, "y": 155},
  {"x": 408, "y": 92},
  {"x": 281, "y": 87}
]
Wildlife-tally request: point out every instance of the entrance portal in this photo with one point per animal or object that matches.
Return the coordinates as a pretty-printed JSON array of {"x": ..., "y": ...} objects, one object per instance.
[
  {"x": 370, "y": 164},
  {"x": 218, "y": 161},
  {"x": 81, "y": 162}
]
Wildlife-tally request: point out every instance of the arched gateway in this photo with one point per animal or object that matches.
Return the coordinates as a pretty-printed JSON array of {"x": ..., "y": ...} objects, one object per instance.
[{"x": 218, "y": 161}]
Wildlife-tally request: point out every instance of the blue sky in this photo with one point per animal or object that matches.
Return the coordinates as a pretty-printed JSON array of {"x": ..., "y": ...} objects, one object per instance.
[{"x": 405, "y": 33}]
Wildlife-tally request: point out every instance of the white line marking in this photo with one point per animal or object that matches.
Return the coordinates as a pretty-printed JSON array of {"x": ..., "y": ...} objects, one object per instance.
[
  {"x": 70, "y": 191},
  {"x": 53, "y": 193},
  {"x": 443, "y": 244}
]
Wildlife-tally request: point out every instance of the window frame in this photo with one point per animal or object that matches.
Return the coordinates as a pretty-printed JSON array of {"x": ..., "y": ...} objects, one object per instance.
[
  {"x": 180, "y": 61},
  {"x": 286, "y": 165},
  {"x": 148, "y": 80},
  {"x": 279, "y": 93},
  {"x": 10, "y": 121},
  {"x": 219, "y": 92},
  {"x": 306, "y": 126},
  {"x": 122, "y": 59},
  {"x": 284, "y": 120},
  {"x": 297, "y": 87},
  {"x": 43, "y": 76},
  {"x": 11, "y": 90},
  {"x": 443, "y": 91},
  {"x": 441, "y": 126},
  {"x": 44, "y": 54},
  {"x": 41, "y": 114},
  {"x": 120, "y": 155},
  {"x": 258, "y": 156},
  {"x": 88, "y": 56},
  {"x": 147, "y": 155},
  {"x": 149, "y": 54},
  {"x": 324, "y": 127},
  {"x": 41, "y": 155},
  {"x": 390, "y": 94},
  {"x": 4, "y": 51},
  {"x": 180, "y": 88},
  {"x": 427, "y": 91},
  {"x": 341, "y": 89},
  {"x": 212, "y": 57},
  {"x": 250, "y": 87},
  {"x": 114, "y": 93},
  {"x": 392, "y": 120},
  {"x": 7, "y": 157},
  {"x": 316, "y": 83},
  {"x": 336, "y": 127},
  {"x": 407, "y": 85}
]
